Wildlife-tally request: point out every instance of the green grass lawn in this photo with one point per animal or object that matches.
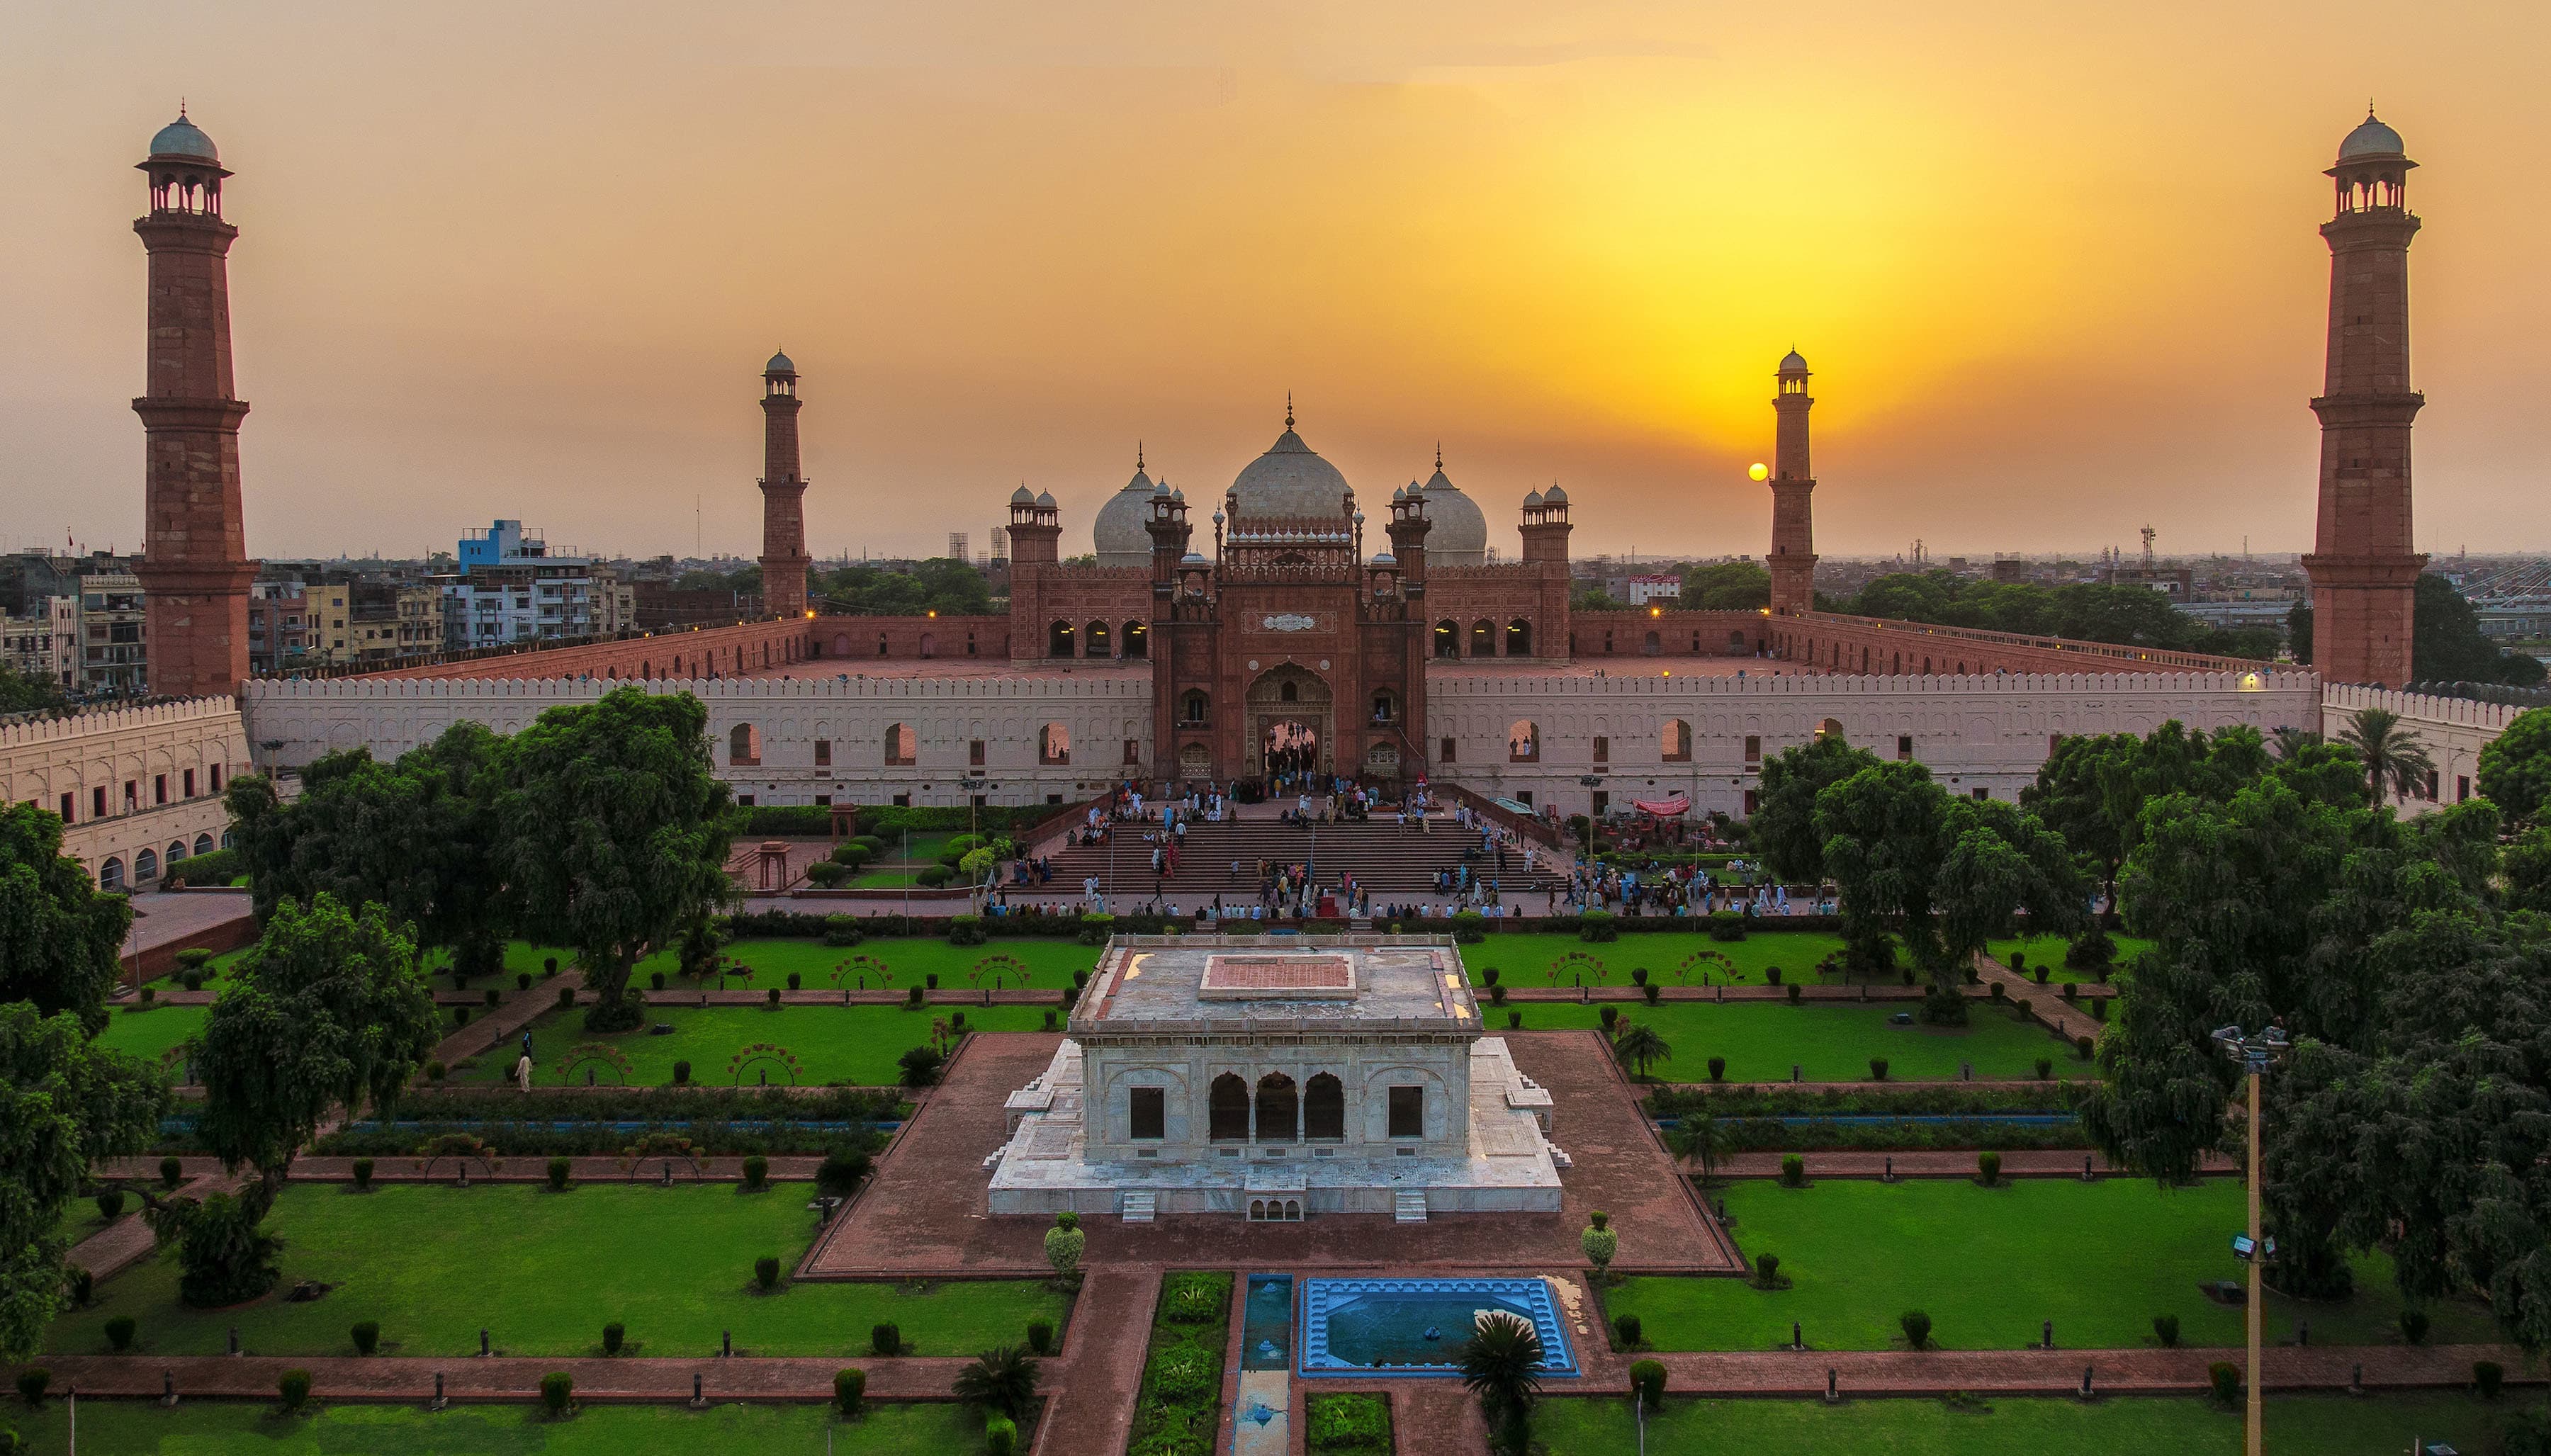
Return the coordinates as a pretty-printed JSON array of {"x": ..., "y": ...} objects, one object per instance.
[
  {"x": 1525, "y": 960},
  {"x": 2048, "y": 951},
  {"x": 544, "y": 1272},
  {"x": 2100, "y": 1259},
  {"x": 2324, "y": 1425},
  {"x": 241, "y": 1429},
  {"x": 1762, "y": 1040},
  {"x": 149, "y": 1034},
  {"x": 856, "y": 1045},
  {"x": 908, "y": 962}
]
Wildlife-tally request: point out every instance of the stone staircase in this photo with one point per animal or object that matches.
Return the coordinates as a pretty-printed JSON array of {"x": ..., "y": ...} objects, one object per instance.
[
  {"x": 1138, "y": 1205},
  {"x": 1391, "y": 862},
  {"x": 1408, "y": 1206}
]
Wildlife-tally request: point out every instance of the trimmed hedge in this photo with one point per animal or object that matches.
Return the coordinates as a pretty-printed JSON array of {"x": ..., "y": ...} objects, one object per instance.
[
  {"x": 218, "y": 868},
  {"x": 526, "y": 1124}
]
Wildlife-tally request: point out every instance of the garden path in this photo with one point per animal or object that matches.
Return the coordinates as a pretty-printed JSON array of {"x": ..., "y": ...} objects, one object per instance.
[
  {"x": 1094, "y": 1380},
  {"x": 2045, "y": 1001},
  {"x": 1938, "y": 1163}
]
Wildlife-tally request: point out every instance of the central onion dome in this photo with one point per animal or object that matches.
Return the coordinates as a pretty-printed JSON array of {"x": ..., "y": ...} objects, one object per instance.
[
  {"x": 1459, "y": 534},
  {"x": 1290, "y": 479},
  {"x": 1116, "y": 533}
]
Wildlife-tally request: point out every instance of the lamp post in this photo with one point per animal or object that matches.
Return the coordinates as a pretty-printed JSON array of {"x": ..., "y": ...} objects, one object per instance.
[
  {"x": 972, "y": 784},
  {"x": 2254, "y": 1055},
  {"x": 1590, "y": 782}
]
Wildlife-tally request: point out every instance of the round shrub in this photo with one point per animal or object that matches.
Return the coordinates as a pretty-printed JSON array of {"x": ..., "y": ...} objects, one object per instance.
[
  {"x": 149, "y": 994},
  {"x": 191, "y": 979},
  {"x": 1648, "y": 1382},
  {"x": 2413, "y": 1326},
  {"x": 549, "y": 965},
  {"x": 2041, "y": 979},
  {"x": 2071, "y": 991},
  {"x": 1626, "y": 1329},
  {"x": 614, "y": 1335},
  {"x": 1610, "y": 1016},
  {"x": 931, "y": 981},
  {"x": 119, "y": 1333},
  {"x": 1771, "y": 976},
  {"x": 773, "y": 994},
  {"x": 523, "y": 980},
  {"x": 435, "y": 1072},
  {"x": 2045, "y": 1069},
  {"x": 793, "y": 981},
  {"x": 1793, "y": 1170},
  {"x": 1488, "y": 976},
  {"x": 32, "y": 1381},
  {"x": 1989, "y": 1167},
  {"x": 849, "y": 1386},
  {"x": 363, "y": 1171},
  {"x": 1718, "y": 1069},
  {"x": 558, "y": 1389},
  {"x": 757, "y": 1172},
  {"x": 566, "y": 996},
  {"x": 2224, "y": 1378},
  {"x": 460, "y": 1015},
  {"x": 78, "y": 1283},
  {"x": 368, "y": 1336},
  {"x": 1877, "y": 1068},
  {"x": 885, "y": 1339},
  {"x": 840, "y": 1171},
  {"x": 1767, "y": 1270},
  {"x": 2082, "y": 1046},
  {"x": 912, "y": 995},
  {"x": 110, "y": 1204},
  {"x": 1497, "y": 996},
  {"x": 1639, "y": 975},
  {"x": 559, "y": 1170},
  {"x": 1001, "y": 1436},
  {"x": 655, "y": 981},
  {"x": 1996, "y": 992},
  {"x": 294, "y": 1386},
  {"x": 1916, "y": 1327},
  {"x": 195, "y": 956},
  {"x": 931, "y": 877},
  {"x": 766, "y": 1272},
  {"x": 1514, "y": 1020},
  {"x": 957, "y": 1022},
  {"x": 494, "y": 996},
  {"x": 172, "y": 1173},
  {"x": 1796, "y": 991},
  {"x": 2487, "y": 1377},
  {"x": 681, "y": 1074},
  {"x": 1653, "y": 992},
  {"x": 2166, "y": 1330},
  {"x": 1041, "y": 1336}
]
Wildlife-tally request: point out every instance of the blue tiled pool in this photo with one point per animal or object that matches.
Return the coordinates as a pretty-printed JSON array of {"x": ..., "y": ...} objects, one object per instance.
[
  {"x": 1267, "y": 1323},
  {"x": 1417, "y": 1326}
]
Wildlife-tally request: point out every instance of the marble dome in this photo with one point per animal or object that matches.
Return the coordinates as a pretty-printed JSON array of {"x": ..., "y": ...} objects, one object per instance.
[
  {"x": 2369, "y": 139},
  {"x": 1459, "y": 534},
  {"x": 182, "y": 137},
  {"x": 1290, "y": 479},
  {"x": 1116, "y": 532}
]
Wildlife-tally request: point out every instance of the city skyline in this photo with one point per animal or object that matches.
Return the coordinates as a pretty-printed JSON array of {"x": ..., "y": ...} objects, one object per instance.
[{"x": 522, "y": 313}]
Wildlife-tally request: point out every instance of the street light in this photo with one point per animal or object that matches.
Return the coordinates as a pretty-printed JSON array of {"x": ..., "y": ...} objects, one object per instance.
[
  {"x": 972, "y": 784},
  {"x": 2254, "y": 1055},
  {"x": 1590, "y": 782}
]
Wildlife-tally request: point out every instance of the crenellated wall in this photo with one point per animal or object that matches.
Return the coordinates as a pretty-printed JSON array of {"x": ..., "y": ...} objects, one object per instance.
[
  {"x": 1834, "y": 642},
  {"x": 701, "y": 651},
  {"x": 1666, "y": 632},
  {"x": 1984, "y": 734}
]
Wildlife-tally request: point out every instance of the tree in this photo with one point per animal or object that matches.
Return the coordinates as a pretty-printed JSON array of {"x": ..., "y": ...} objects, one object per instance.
[
  {"x": 2515, "y": 767},
  {"x": 1737, "y": 586},
  {"x": 1002, "y": 1379},
  {"x": 2287, "y": 743},
  {"x": 1502, "y": 1366},
  {"x": 2446, "y": 644},
  {"x": 61, "y": 939},
  {"x": 1950, "y": 872},
  {"x": 615, "y": 834},
  {"x": 1699, "y": 1137},
  {"x": 2070, "y": 798},
  {"x": 418, "y": 836},
  {"x": 2298, "y": 631},
  {"x": 1638, "y": 1046},
  {"x": 64, "y": 1103},
  {"x": 2389, "y": 752},
  {"x": 1783, "y": 824},
  {"x": 22, "y": 693},
  {"x": 329, "y": 1011}
]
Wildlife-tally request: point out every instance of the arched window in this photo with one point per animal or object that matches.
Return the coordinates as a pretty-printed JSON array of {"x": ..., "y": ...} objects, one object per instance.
[
  {"x": 230, "y": 839},
  {"x": 1678, "y": 741},
  {"x": 110, "y": 876},
  {"x": 1058, "y": 639},
  {"x": 1386, "y": 707},
  {"x": 1448, "y": 639},
  {"x": 1736, "y": 643},
  {"x": 1137, "y": 639},
  {"x": 743, "y": 744},
  {"x": 176, "y": 851},
  {"x": 203, "y": 843},
  {"x": 1227, "y": 1109},
  {"x": 883, "y": 649},
  {"x": 1054, "y": 744},
  {"x": 1519, "y": 638},
  {"x": 1194, "y": 707},
  {"x": 1195, "y": 759},
  {"x": 929, "y": 646},
  {"x": 145, "y": 867},
  {"x": 1523, "y": 742},
  {"x": 1829, "y": 728},
  {"x": 1095, "y": 643},
  {"x": 1652, "y": 645},
  {"x": 1325, "y": 1108},
  {"x": 841, "y": 644},
  {"x": 1484, "y": 639},
  {"x": 902, "y": 746},
  {"x": 1291, "y": 691},
  {"x": 1279, "y": 1111}
]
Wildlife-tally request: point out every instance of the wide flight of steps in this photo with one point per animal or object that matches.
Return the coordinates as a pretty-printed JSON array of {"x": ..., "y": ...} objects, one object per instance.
[{"x": 1387, "y": 859}]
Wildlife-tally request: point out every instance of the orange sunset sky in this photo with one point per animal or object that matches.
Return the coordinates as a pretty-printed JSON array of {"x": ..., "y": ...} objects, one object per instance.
[{"x": 2054, "y": 264}]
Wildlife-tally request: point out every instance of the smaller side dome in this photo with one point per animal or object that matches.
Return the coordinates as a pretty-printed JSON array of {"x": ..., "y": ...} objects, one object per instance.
[
  {"x": 1555, "y": 497},
  {"x": 1022, "y": 496},
  {"x": 1384, "y": 559},
  {"x": 182, "y": 137},
  {"x": 1793, "y": 363},
  {"x": 1531, "y": 500},
  {"x": 2371, "y": 139},
  {"x": 1194, "y": 558},
  {"x": 780, "y": 363},
  {"x": 1044, "y": 499}
]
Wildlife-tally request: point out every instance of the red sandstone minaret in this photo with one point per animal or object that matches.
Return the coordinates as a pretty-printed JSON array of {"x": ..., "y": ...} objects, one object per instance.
[
  {"x": 2364, "y": 575},
  {"x": 783, "y": 495},
  {"x": 1792, "y": 562},
  {"x": 194, "y": 566}
]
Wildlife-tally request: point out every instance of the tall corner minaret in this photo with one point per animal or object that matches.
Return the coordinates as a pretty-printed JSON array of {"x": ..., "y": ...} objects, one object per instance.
[
  {"x": 194, "y": 566},
  {"x": 783, "y": 493},
  {"x": 1792, "y": 561},
  {"x": 2363, "y": 575}
]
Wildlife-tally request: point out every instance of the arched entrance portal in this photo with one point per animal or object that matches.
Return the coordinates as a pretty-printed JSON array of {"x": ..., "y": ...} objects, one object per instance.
[{"x": 1289, "y": 727}]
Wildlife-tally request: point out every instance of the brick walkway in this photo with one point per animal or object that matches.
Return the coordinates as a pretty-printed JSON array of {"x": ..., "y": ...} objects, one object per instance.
[
  {"x": 503, "y": 1378},
  {"x": 1094, "y": 1380},
  {"x": 506, "y": 1022},
  {"x": 2058, "y": 1372},
  {"x": 2045, "y": 1002},
  {"x": 2016, "y": 1162}
]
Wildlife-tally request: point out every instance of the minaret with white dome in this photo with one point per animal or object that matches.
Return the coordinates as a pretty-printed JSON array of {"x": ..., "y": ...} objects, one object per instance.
[
  {"x": 1792, "y": 561},
  {"x": 783, "y": 493}
]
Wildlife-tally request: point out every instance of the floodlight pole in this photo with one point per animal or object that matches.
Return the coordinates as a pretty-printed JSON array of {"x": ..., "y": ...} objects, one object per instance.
[{"x": 2251, "y": 1417}]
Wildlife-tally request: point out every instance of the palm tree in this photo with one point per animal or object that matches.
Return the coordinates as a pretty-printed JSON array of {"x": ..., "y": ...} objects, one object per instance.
[
  {"x": 1002, "y": 1379},
  {"x": 2391, "y": 753},
  {"x": 1638, "y": 1045},
  {"x": 1699, "y": 1137},
  {"x": 2287, "y": 743},
  {"x": 1501, "y": 1365}
]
